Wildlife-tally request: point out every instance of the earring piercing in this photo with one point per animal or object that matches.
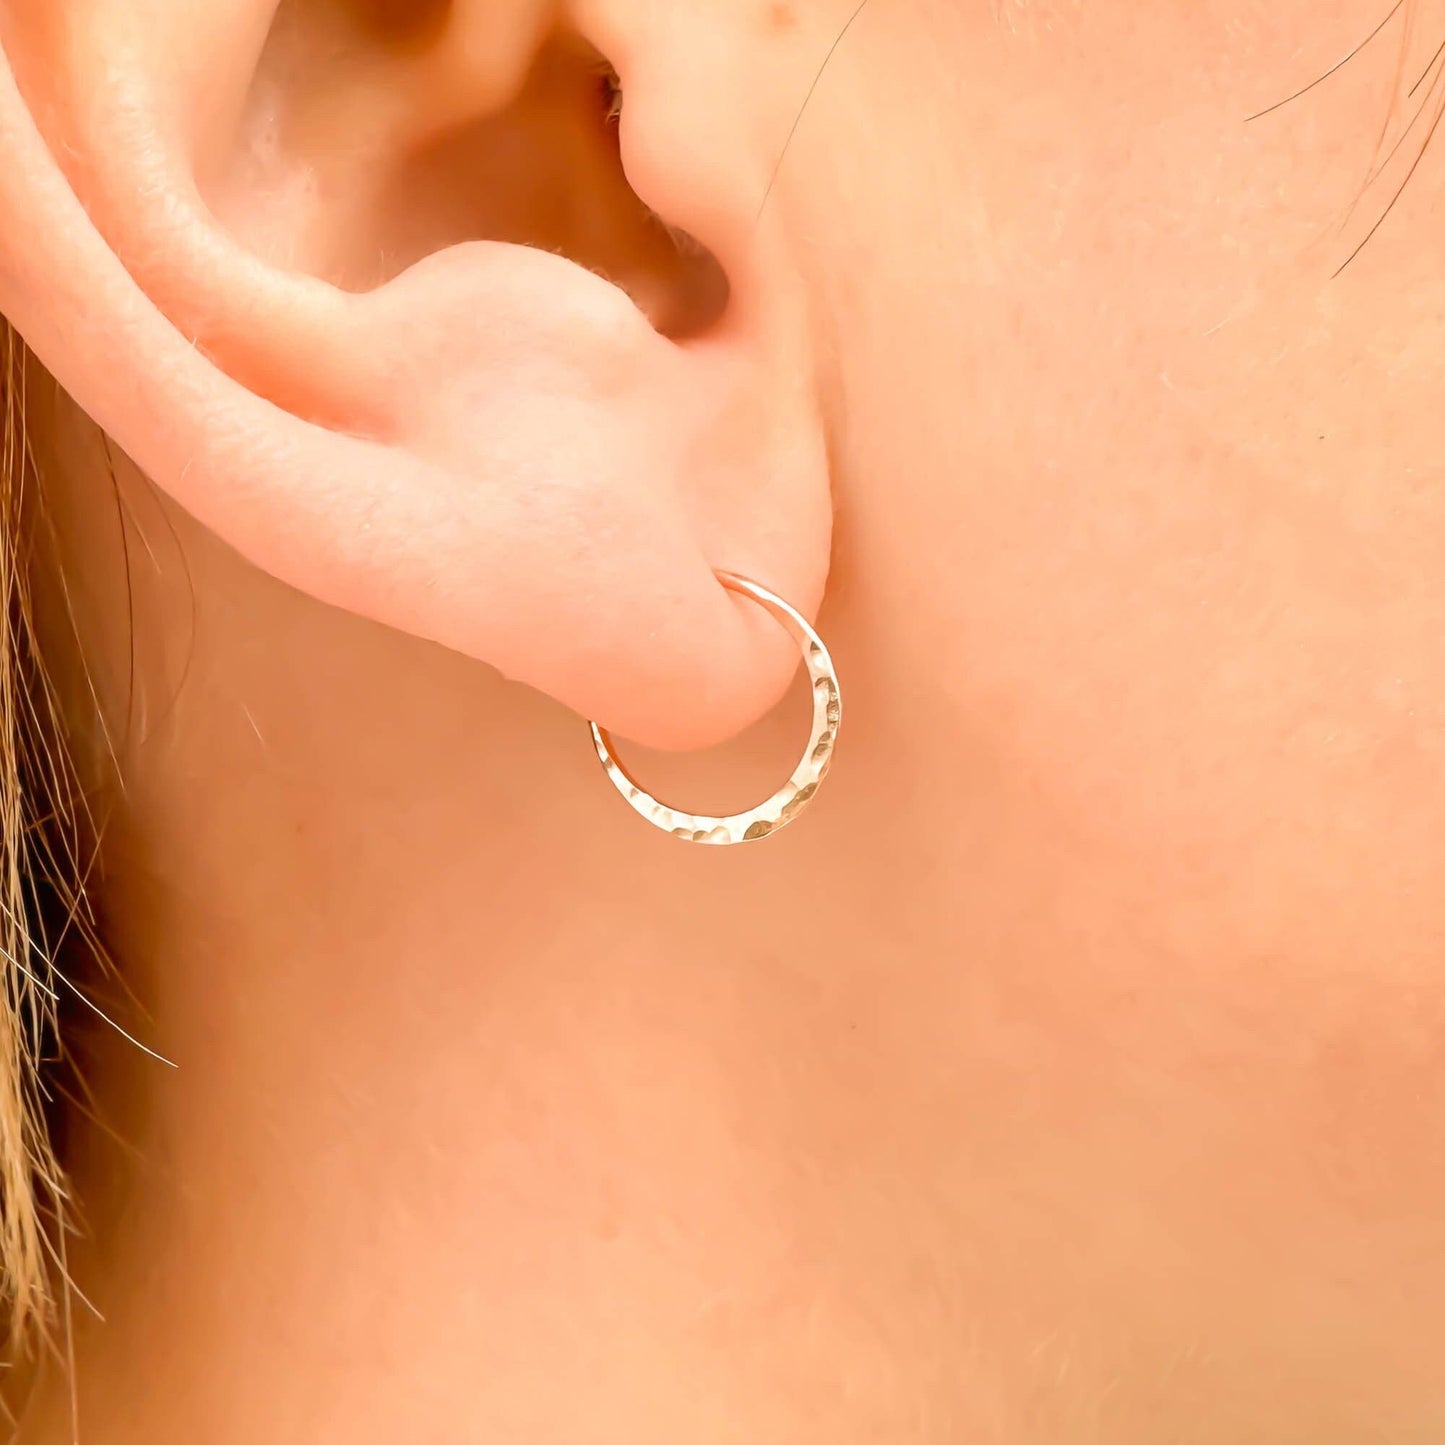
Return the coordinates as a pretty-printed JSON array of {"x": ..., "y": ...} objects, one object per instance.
[{"x": 798, "y": 792}]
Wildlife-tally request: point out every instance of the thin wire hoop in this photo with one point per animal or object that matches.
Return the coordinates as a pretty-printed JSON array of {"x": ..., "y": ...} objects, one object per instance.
[{"x": 794, "y": 796}]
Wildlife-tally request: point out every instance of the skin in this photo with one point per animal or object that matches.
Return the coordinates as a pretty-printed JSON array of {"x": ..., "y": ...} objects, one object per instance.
[{"x": 1071, "y": 1073}]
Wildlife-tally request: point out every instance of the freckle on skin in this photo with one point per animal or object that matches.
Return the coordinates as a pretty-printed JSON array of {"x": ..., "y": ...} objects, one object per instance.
[{"x": 781, "y": 16}]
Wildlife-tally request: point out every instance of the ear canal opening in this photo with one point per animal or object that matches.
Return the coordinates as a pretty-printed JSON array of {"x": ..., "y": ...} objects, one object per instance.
[
  {"x": 366, "y": 147},
  {"x": 406, "y": 22}
]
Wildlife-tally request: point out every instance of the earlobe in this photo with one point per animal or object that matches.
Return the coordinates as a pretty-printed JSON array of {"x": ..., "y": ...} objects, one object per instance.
[{"x": 494, "y": 449}]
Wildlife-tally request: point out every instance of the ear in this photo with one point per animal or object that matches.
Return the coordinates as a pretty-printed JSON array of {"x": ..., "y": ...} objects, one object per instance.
[{"x": 374, "y": 289}]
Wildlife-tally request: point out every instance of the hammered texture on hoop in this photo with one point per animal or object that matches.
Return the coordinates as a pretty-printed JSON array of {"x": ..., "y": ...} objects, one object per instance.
[{"x": 795, "y": 795}]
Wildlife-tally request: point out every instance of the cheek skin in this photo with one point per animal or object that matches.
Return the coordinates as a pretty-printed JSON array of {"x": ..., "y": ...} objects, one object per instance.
[{"x": 1132, "y": 530}]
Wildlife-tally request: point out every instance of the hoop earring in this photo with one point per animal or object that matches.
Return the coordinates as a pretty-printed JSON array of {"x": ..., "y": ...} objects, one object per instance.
[{"x": 794, "y": 796}]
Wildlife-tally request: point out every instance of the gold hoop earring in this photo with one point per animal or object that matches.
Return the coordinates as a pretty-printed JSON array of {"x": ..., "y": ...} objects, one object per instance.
[{"x": 794, "y": 796}]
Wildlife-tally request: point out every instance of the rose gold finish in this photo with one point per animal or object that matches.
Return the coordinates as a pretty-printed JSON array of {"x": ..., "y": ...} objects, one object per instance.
[{"x": 795, "y": 795}]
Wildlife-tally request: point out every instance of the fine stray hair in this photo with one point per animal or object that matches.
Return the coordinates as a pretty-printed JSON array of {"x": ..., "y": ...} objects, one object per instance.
[
  {"x": 807, "y": 99},
  {"x": 1391, "y": 168},
  {"x": 40, "y": 865}
]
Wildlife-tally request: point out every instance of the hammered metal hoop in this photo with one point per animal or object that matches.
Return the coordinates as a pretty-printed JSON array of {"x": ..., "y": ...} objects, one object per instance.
[{"x": 795, "y": 795}]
